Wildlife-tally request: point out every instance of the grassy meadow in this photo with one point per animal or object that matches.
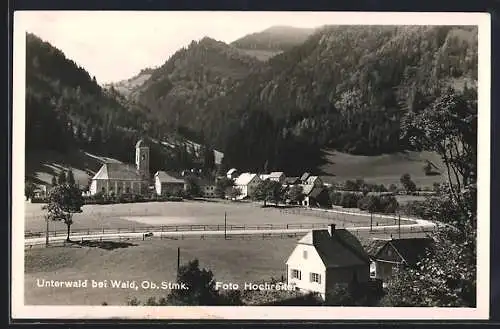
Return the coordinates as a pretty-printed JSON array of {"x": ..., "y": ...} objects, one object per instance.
[{"x": 384, "y": 169}]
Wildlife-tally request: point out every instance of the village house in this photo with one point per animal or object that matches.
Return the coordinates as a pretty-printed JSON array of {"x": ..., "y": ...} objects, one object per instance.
[
  {"x": 316, "y": 197},
  {"x": 264, "y": 177},
  {"x": 207, "y": 188},
  {"x": 118, "y": 178},
  {"x": 291, "y": 181},
  {"x": 40, "y": 192},
  {"x": 388, "y": 255},
  {"x": 247, "y": 183},
  {"x": 166, "y": 184},
  {"x": 314, "y": 180},
  {"x": 304, "y": 177},
  {"x": 277, "y": 176},
  {"x": 326, "y": 258},
  {"x": 232, "y": 173}
]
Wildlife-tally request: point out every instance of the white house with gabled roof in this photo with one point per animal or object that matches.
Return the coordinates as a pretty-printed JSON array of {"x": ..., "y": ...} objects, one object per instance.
[
  {"x": 323, "y": 259},
  {"x": 246, "y": 183}
]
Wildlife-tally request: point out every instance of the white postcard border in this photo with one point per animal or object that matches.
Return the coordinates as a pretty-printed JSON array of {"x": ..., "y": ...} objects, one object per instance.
[{"x": 20, "y": 311}]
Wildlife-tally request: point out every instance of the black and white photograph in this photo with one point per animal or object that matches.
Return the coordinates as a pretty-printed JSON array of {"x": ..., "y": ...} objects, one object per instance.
[{"x": 223, "y": 165}]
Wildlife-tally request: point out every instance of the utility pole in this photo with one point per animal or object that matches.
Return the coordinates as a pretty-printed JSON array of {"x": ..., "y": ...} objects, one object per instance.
[
  {"x": 399, "y": 225},
  {"x": 178, "y": 259},
  {"x": 371, "y": 221},
  {"x": 47, "y": 232},
  {"x": 225, "y": 225}
]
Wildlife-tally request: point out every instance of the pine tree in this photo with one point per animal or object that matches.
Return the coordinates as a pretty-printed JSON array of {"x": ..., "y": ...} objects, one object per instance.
[
  {"x": 61, "y": 179},
  {"x": 71, "y": 178}
]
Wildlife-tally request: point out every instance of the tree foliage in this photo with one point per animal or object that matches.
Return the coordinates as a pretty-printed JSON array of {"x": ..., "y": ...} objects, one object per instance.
[
  {"x": 448, "y": 126},
  {"x": 269, "y": 191},
  {"x": 64, "y": 200},
  {"x": 446, "y": 276},
  {"x": 296, "y": 194},
  {"x": 29, "y": 190},
  {"x": 222, "y": 185},
  {"x": 201, "y": 289},
  {"x": 407, "y": 183},
  {"x": 343, "y": 87}
]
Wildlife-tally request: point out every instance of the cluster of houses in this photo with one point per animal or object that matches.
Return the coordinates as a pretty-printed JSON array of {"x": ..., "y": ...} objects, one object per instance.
[
  {"x": 315, "y": 192},
  {"x": 119, "y": 178},
  {"x": 324, "y": 259}
]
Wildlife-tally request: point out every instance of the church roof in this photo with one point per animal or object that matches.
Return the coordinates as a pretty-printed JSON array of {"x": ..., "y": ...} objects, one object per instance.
[
  {"x": 118, "y": 171},
  {"x": 163, "y": 177}
]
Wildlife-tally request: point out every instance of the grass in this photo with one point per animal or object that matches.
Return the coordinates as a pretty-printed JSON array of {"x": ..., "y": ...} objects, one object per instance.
[
  {"x": 42, "y": 165},
  {"x": 236, "y": 261},
  {"x": 128, "y": 216},
  {"x": 381, "y": 169}
]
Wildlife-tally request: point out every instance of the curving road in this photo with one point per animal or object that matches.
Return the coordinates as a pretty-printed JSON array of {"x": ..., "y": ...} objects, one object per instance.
[{"x": 419, "y": 226}]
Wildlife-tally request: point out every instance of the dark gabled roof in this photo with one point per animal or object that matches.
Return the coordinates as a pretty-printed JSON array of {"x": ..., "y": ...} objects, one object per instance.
[
  {"x": 316, "y": 191},
  {"x": 292, "y": 180},
  {"x": 118, "y": 171},
  {"x": 341, "y": 250},
  {"x": 305, "y": 176},
  {"x": 374, "y": 246},
  {"x": 410, "y": 250}
]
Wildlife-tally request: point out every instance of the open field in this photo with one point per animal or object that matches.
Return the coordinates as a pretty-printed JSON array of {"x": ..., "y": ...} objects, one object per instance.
[
  {"x": 230, "y": 260},
  {"x": 145, "y": 215},
  {"x": 381, "y": 169},
  {"x": 42, "y": 165},
  {"x": 234, "y": 260}
]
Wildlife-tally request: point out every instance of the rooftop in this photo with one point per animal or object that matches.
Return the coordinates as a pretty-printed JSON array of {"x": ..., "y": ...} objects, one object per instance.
[
  {"x": 118, "y": 171},
  {"x": 340, "y": 249}
]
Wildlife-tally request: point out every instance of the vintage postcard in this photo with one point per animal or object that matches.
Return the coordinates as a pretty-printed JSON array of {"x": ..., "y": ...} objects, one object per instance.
[{"x": 250, "y": 165}]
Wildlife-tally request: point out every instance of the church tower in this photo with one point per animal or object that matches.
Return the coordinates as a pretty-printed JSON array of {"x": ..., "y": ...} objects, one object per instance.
[{"x": 142, "y": 159}]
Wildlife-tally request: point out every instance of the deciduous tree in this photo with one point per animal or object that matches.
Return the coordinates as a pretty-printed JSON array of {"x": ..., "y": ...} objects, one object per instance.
[{"x": 64, "y": 200}]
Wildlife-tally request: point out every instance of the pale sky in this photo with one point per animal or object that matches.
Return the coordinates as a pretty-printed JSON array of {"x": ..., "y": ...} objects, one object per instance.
[{"x": 113, "y": 45}]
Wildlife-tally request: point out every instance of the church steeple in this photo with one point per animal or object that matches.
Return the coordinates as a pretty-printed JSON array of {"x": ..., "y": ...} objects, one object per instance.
[{"x": 142, "y": 158}]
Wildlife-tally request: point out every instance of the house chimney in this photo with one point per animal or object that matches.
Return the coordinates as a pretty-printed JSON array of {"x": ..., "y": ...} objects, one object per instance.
[{"x": 331, "y": 229}]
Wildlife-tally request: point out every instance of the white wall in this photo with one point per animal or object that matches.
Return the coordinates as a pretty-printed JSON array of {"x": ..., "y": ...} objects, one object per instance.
[
  {"x": 157, "y": 186},
  {"x": 312, "y": 264}
]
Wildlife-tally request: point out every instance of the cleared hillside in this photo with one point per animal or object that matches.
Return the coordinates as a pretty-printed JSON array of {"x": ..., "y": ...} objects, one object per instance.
[
  {"x": 381, "y": 169},
  {"x": 41, "y": 166}
]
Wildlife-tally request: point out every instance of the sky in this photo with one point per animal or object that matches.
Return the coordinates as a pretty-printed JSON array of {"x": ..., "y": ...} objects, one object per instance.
[{"x": 114, "y": 45}]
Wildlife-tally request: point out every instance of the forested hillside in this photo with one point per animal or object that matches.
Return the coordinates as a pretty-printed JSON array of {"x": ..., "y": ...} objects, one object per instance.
[
  {"x": 277, "y": 38},
  {"x": 66, "y": 110},
  {"x": 126, "y": 87},
  {"x": 180, "y": 90},
  {"x": 345, "y": 87}
]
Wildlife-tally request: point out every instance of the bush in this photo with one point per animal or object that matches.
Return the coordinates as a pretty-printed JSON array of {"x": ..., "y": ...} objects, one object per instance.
[
  {"x": 386, "y": 204},
  {"x": 335, "y": 197},
  {"x": 349, "y": 200}
]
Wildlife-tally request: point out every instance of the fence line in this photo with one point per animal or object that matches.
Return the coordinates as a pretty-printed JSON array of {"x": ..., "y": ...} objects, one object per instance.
[
  {"x": 177, "y": 228},
  {"x": 80, "y": 242},
  {"x": 377, "y": 219},
  {"x": 77, "y": 242}
]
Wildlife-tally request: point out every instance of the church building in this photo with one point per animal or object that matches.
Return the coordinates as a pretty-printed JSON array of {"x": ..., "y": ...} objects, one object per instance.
[{"x": 119, "y": 178}]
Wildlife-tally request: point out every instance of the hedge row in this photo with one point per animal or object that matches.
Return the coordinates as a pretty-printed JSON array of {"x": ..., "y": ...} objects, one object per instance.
[
  {"x": 100, "y": 199},
  {"x": 386, "y": 204}
]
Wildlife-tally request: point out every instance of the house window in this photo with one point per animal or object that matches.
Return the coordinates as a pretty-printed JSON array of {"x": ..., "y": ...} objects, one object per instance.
[
  {"x": 304, "y": 254},
  {"x": 296, "y": 274},
  {"x": 315, "y": 277}
]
